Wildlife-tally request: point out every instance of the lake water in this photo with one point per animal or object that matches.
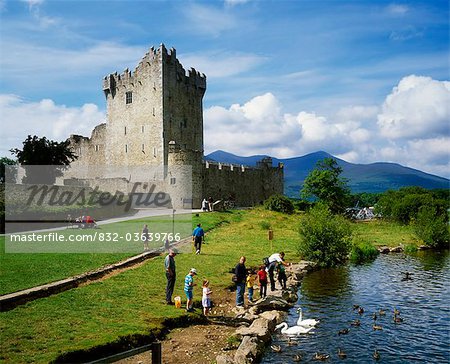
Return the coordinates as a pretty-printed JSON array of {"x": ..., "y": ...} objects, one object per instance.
[{"x": 423, "y": 302}]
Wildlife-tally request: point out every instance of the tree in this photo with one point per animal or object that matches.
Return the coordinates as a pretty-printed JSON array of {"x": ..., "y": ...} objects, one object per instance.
[
  {"x": 50, "y": 156},
  {"x": 326, "y": 185},
  {"x": 6, "y": 177},
  {"x": 325, "y": 238},
  {"x": 403, "y": 205},
  {"x": 279, "y": 203},
  {"x": 432, "y": 227}
]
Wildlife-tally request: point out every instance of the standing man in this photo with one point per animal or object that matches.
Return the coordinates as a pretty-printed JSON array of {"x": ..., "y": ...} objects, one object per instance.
[
  {"x": 241, "y": 276},
  {"x": 188, "y": 288},
  {"x": 145, "y": 236},
  {"x": 169, "y": 264},
  {"x": 274, "y": 259},
  {"x": 198, "y": 236}
]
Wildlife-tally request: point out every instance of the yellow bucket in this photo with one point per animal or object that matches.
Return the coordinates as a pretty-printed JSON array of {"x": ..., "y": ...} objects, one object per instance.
[{"x": 177, "y": 300}]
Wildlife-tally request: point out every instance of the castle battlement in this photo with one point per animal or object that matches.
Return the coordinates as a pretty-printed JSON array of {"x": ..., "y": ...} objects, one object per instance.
[{"x": 154, "y": 58}]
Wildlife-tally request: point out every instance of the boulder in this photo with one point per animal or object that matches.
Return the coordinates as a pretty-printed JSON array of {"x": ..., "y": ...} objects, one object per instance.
[
  {"x": 289, "y": 296},
  {"x": 260, "y": 328},
  {"x": 250, "y": 350},
  {"x": 272, "y": 303},
  {"x": 306, "y": 265},
  {"x": 274, "y": 317},
  {"x": 397, "y": 249},
  {"x": 384, "y": 249},
  {"x": 224, "y": 359}
]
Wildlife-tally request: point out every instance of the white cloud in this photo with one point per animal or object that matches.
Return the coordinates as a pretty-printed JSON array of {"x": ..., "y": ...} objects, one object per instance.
[
  {"x": 221, "y": 64},
  {"x": 43, "y": 118},
  {"x": 419, "y": 136},
  {"x": 52, "y": 65},
  {"x": 260, "y": 127},
  {"x": 33, "y": 3},
  {"x": 208, "y": 20},
  {"x": 419, "y": 107},
  {"x": 397, "y": 9},
  {"x": 235, "y": 2}
]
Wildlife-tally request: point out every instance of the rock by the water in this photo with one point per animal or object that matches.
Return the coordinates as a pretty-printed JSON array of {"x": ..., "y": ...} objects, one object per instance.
[
  {"x": 260, "y": 328},
  {"x": 397, "y": 249},
  {"x": 272, "y": 303},
  {"x": 289, "y": 296},
  {"x": 224, "y": 359},
  {"x": 250, "y": 350}
]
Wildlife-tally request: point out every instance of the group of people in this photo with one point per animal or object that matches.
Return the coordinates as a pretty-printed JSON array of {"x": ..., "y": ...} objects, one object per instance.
[
  {"x": 84, "y": 222},
  {"x": 189, "y": 284},
  {"x": 244, "y": 278}
]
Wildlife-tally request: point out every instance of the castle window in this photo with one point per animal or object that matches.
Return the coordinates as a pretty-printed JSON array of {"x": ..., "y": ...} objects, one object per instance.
[
  {"x": 142, "y": 128},
  {"x": 153, "y": 111},
  {"x": 128, "y": 97},
  {"x": 96, "y": 148},
  {"x": 125, "y": 130},
  {"x": 154, "y": 152},
  {"x": 126, "y": 148},
  {"x": 143, "y": 149},
  {"x": 173, "y": 180}
]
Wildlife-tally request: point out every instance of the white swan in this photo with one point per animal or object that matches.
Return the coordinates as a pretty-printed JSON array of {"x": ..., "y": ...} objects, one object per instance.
[
  {"x": 293, "y": 330},
  {"x": 305, "y": 323}
]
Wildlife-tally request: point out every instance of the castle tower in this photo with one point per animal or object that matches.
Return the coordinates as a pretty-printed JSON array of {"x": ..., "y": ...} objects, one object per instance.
[{"x": 151, "y": 106}]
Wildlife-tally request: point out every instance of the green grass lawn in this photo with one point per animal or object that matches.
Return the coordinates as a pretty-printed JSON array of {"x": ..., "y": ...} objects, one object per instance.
[
  {"x": 132, "y": 302},
  {"x": 379, "y": 232},
  {"x": 44, "y": 263}
]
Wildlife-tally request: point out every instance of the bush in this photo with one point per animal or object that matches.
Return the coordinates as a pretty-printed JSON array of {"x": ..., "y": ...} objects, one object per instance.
[
  {"x": 411, "y": 248},
  {"x": 362, "y": 252},
  {"x": 325, "y": 238},
  {"x": 432, "y": 227},
  {"x": 279, "y": 203}
]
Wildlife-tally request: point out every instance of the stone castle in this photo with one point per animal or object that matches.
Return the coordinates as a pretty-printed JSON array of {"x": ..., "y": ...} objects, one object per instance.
[{"x": 154, "y": 134}]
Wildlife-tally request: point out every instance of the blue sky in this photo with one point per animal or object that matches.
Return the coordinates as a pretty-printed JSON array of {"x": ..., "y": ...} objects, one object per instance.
[{"x": 363, "y": 80}]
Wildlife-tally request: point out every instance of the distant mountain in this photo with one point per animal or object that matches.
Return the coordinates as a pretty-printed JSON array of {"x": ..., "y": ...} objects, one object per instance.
[{"x": 374, "y": 177}]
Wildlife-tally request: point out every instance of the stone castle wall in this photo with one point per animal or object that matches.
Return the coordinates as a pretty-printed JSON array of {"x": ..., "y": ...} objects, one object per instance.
[
  {"x": 247, "y": 186},
  {"x": 155, "y": 119}
]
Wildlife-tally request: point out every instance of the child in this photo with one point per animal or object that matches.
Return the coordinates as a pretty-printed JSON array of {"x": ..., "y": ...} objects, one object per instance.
[
  {"x": 188, "y": 288},
  {"x": 262, "y": 278},
  {"x": 282, "y": 275},
  {"x": 206, "y": 298},
  {"x": 250, "y": 283}
]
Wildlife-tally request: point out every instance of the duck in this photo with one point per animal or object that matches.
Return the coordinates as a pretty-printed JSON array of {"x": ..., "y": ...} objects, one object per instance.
[
  {"x": 374, "y": 316},
  {"x": 381, "y": 312},
  {"x": 293, "y": 330},
  {"x": 276, "y": 348},
  {"x": 356, "y": 323},
  {"x": 407, "y": 276},
  {"x": 343, "y": 331},
  {"x": 360, "y": 310},
  {"x": 297, "y": 358},
  {"x": 291, "y": 342},
  {"x": 376, "y": 355},
  {"x": 377, "y": 327},
  {"x": 397, "y": 319},
  {"x": 396, "y": 312},
  {"x": 318, "y": 356},
  {"x": 341, "y": 353},
  {"x": 355, "y": 307},
  {"x": 307, "y": 322}
]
